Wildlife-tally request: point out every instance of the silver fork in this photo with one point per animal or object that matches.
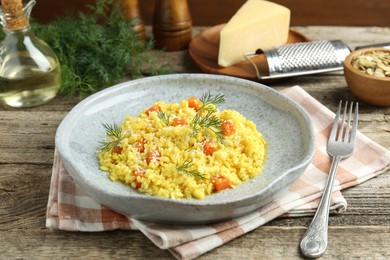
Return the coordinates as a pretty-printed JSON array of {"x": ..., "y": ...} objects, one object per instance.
[{"x": 340, "y": 146}]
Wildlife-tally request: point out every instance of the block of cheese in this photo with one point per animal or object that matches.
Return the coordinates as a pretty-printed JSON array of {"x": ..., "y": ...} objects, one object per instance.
[{"x": 258, "y": 24}]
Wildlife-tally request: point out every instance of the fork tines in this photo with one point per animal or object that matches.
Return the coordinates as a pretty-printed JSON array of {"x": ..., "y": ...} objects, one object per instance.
[{"x": 343, "y": 132}]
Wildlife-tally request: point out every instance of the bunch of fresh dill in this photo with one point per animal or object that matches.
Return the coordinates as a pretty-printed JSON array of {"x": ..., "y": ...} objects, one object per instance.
[{"x": 97, "y": 50}]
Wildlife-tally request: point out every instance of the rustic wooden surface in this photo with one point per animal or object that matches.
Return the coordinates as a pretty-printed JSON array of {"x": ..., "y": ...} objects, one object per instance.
[
  {"x": 212, "y": 12},
  {"x": 26, "y": 154}
]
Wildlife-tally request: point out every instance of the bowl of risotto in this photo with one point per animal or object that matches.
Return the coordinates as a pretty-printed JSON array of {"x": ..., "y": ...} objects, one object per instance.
[{"x": 185, "y": 148}]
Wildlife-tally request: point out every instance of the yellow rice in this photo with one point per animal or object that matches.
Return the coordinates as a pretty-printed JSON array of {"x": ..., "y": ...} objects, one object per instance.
[{"x": 239, "y": 158}]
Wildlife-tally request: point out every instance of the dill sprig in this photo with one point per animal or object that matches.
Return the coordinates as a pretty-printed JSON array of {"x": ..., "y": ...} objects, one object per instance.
[
  {"x": 209, "y": 122},
  {"x": 209, "y": 102},
  {"x": 98, "y": 48},
  {"x": 185, "y": 168},
  {"x": 114, "y": 135},
  {"x": 164, "y": 117}
]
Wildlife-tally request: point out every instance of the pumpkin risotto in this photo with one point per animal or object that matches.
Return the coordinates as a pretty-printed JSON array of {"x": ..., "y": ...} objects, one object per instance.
[{"x": 183, "y": 150}]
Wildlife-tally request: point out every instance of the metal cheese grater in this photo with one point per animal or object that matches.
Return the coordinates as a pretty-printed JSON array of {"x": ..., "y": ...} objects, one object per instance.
[{"x": 302, "y": 58}]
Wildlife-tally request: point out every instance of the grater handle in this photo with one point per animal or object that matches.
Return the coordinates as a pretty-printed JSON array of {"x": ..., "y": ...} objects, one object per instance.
[
  {"x": 296, "y": 73},
  {"x": 299, "y": 59}
]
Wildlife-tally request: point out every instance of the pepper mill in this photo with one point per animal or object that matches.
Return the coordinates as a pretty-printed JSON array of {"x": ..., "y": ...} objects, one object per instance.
[
  {"x": 132, "y": 12},
  {"x": 172, "y": 25}
]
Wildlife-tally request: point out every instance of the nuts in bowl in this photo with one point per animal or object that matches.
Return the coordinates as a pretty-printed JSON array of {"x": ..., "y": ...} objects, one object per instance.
[{"x": 367, "y": 72}]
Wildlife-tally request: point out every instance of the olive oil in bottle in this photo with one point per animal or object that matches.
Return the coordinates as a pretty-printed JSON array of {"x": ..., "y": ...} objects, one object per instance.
[{"x": 29, "y": 69}]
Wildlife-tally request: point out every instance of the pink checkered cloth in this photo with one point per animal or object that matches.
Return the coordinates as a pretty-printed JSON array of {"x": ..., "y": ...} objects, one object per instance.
[{"x": 69, "y": 208}]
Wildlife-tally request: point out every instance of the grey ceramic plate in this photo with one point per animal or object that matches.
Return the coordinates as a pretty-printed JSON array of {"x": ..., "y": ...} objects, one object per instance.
[{"x": 284, "y": 124}]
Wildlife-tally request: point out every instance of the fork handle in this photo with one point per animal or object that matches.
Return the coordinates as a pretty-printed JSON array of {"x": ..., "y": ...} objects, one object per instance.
[{"x": 315, "y": 239}]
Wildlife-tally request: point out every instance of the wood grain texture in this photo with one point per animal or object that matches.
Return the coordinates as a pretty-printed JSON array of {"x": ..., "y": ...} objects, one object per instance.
[
  {"x": 26, "y": 154},
  {"x": 370, "y": 88},
  {"x": 206, "y": 12},
  {"x": 172, "y": 25},
  {"x": 204, "y": 50}
]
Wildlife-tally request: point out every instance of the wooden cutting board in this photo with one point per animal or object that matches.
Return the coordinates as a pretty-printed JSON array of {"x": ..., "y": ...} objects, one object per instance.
[{"x": 204, "y": 47}]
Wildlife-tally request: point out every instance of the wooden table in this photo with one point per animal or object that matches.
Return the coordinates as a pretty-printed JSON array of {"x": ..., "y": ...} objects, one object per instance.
[{"x": 26, "y": 156}]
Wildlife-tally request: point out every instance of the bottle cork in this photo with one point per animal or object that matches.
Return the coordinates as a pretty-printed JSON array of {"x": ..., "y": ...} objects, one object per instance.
[
  {"x": 132, "y": 13},
  {"x": 15, "y": 17},
  {"x": 172, "y": 25}
]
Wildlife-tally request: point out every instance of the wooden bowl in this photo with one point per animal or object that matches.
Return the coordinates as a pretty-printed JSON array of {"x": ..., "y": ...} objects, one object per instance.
[{"x": 370, "y": 89}]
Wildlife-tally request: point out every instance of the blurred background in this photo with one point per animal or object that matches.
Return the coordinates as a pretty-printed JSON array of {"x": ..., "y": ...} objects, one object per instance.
[{"x": 212, "y": 12}]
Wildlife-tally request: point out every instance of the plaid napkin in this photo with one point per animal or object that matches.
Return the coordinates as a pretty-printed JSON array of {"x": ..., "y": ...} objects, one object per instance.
[{"x": 69, "y": 208}]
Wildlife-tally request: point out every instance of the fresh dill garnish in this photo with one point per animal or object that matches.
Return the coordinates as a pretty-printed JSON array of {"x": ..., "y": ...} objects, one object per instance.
[
  {"x": 163, "y": 117},
  {"x": 209, "y": 122},
  {"x": 114, "y": 135},
  {"x": 209, "y": 102},
  {"x": 97, "y": 49},
  {"x": 185, "y": 168}
]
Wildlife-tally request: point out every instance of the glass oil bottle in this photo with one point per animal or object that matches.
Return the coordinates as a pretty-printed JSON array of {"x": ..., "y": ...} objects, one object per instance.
[{"x": 29, "y": 69}]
